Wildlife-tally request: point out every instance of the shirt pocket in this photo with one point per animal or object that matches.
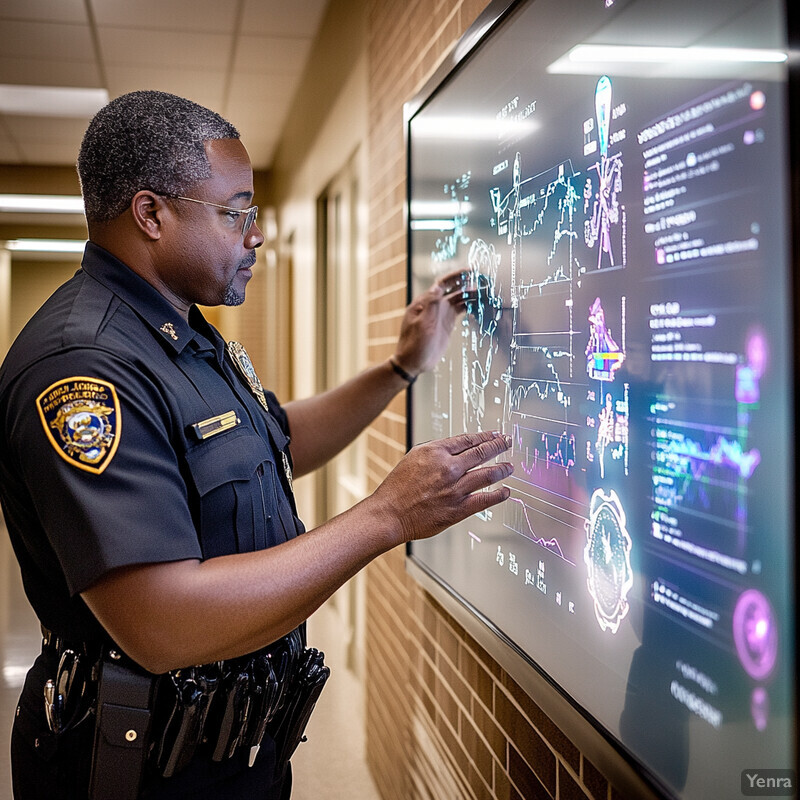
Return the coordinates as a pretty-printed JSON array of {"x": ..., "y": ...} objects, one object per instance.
[{"x": 233, "y": 475}]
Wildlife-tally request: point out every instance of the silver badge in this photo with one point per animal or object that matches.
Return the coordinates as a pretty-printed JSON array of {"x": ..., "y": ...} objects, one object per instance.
[{"x": 240, "y": 358}]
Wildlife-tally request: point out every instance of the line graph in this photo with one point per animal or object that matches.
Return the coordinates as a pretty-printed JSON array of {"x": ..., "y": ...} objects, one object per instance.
[
  {"x": 538, "y": 449},
  {"x": 518, "y": 389},
  {"x": 710, "y": 474},
  {"x": 521, "y": 524}
]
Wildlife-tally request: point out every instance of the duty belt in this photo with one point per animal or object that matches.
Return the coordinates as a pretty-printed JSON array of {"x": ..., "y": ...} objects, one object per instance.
[
  {"x": 226, "y": 707},
  {"x": 218, "y": 709}
]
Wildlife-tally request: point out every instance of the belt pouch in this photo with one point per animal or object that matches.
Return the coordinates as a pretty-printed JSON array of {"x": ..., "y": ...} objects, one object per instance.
[
  {"x": 182, "y": 702},
  {"x": 263, "y": 698},
  {"x": 231, "y": 712},
  {"x": 289, "y": 726},
  {"x": 121, "y": 732}
]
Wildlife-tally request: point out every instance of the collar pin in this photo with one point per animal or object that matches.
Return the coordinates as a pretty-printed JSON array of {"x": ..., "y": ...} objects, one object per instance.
[{"x": 169, "y": 329}]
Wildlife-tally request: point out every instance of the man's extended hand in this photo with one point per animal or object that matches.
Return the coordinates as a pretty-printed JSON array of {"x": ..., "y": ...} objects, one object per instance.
[
  {"x": 427, "y": 325},
  {"x": 442, "y": 482}
]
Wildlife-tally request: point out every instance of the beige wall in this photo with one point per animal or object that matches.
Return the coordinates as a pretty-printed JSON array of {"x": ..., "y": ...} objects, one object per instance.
[
  {"x": 25, "y": 283},
  {"x": 326, "y": 129}
]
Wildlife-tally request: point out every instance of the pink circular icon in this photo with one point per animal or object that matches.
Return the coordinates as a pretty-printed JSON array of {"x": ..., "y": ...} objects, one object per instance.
[{"x": 755, "y": 634}]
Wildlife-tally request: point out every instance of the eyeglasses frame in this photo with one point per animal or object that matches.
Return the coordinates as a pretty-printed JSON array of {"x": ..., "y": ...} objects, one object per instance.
[{"x": 250, "y": 213}]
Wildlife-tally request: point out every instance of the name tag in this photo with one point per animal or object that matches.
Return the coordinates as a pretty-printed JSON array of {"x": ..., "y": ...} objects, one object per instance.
[{"x": 214, "y": 425}]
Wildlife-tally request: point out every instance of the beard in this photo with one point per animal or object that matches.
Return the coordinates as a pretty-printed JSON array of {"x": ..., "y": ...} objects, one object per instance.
[{"x": 232, "y": 297}]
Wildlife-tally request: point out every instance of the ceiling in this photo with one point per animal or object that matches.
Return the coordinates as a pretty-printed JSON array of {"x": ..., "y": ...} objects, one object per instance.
[{"x": 242, "y": 58}]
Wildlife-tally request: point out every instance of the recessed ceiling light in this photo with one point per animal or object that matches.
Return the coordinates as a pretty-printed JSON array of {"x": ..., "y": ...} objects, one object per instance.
[
  {"x": 42, "y": 203},
  {"x": 51, "y": 101},
  {"x": 46, "y": 245}
]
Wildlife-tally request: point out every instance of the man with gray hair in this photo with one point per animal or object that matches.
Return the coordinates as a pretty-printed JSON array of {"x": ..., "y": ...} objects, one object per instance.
[{"x": 146, "y": 481}]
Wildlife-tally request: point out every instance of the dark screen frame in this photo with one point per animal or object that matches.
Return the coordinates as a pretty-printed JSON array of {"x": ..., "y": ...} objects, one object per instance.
[{"x": 626, "y": 773}]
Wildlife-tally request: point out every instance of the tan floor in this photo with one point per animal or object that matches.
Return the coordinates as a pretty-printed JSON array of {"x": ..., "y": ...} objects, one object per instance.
[{"x": 329, "y": 765}]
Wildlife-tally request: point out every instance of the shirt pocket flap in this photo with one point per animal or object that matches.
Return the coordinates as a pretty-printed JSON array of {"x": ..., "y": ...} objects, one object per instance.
[{"x": 232, "y": 456}]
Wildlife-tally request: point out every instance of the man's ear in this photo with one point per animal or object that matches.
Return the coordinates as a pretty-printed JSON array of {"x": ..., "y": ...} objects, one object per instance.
[{"x": 148, "y": 210}]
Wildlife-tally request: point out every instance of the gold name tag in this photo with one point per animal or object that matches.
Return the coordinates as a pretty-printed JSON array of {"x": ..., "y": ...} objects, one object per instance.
[{"x": 214, "y": 425}]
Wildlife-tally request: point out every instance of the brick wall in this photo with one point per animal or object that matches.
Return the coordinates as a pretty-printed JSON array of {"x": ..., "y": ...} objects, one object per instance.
[{"x": 444, "y": 721}]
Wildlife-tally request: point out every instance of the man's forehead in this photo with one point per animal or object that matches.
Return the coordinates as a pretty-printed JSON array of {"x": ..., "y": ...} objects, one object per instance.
[{"x": 230, "y": 168}]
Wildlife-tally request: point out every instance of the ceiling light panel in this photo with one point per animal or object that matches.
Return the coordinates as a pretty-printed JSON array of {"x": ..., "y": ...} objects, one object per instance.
[{"x": 51, "y": 101}]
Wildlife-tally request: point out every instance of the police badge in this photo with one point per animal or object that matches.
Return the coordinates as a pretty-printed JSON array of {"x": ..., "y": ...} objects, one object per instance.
[
  {"x": 242, "y": 361},
  {"x": 82, "y": 419}
]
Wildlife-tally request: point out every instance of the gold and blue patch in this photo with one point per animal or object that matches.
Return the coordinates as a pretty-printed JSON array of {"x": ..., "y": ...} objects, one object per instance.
[{"x": 82, "y": 419}]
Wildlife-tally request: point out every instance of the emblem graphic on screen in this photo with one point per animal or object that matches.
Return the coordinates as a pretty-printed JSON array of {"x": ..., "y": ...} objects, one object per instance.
[{"x": 608, "y": 561}]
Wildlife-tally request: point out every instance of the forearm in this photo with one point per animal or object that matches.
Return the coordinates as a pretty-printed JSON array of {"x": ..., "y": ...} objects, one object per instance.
[
  {"x": 323, "y": 425},
  {"x": 167, "y": 616},
  {"x": 175, "y": 614}
]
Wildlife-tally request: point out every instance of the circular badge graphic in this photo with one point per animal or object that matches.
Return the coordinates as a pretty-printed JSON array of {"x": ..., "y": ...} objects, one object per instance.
[
  {"x": 755, "y": 634},
  {"x": 608, "y": 561}
]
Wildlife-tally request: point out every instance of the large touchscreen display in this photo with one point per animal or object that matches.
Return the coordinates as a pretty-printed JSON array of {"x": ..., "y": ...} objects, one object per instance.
[{"x": 610, "y": 179}]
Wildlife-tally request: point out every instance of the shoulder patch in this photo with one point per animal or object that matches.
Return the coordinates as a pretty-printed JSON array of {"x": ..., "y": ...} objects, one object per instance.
[{"x": 82, "y": 419}]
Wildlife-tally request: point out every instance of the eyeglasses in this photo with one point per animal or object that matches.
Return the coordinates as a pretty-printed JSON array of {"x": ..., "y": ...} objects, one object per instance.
[{"x": 249, "y": 213}]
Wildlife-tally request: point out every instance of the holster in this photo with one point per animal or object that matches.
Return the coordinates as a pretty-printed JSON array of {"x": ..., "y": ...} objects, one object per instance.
[
  {"x": 122, "y": 728},
  {"x": 288, "y": 728},
  {"x": 182, "y": 701}
]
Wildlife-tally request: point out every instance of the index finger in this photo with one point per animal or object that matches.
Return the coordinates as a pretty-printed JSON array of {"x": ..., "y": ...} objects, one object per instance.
[
  {"x": 465, "y": 284},
  {"x": 453, "y": 281},
  {"x": 477, "y": 448}
]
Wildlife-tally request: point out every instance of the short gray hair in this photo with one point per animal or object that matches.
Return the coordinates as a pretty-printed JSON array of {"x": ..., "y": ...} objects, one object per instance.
[{"x": 145, "y": 140}]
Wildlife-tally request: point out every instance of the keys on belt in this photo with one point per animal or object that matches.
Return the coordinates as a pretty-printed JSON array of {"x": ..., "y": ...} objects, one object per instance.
[{"x": 67, "y": 697}]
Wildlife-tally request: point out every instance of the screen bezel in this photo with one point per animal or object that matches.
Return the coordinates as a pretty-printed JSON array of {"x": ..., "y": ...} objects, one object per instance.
[{"x": 625, "y": 772}]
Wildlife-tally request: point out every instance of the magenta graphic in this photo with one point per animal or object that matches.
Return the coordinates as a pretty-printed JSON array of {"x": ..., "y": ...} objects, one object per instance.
[
  {"x": 759, "y": 707},
  {"x": 755, "y": 634},
  {"x": 607, "y": 211},
  {"x": 603, "y": 355},
  {"x": 748, "y": 375}
]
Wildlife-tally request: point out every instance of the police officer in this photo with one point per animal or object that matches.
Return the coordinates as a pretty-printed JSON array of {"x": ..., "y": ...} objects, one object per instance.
[{"x": 146, "y": 475}]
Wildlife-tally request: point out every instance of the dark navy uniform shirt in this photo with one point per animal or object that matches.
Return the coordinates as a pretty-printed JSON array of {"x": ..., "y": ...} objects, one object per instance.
[{"x": 128, "y": 436}]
